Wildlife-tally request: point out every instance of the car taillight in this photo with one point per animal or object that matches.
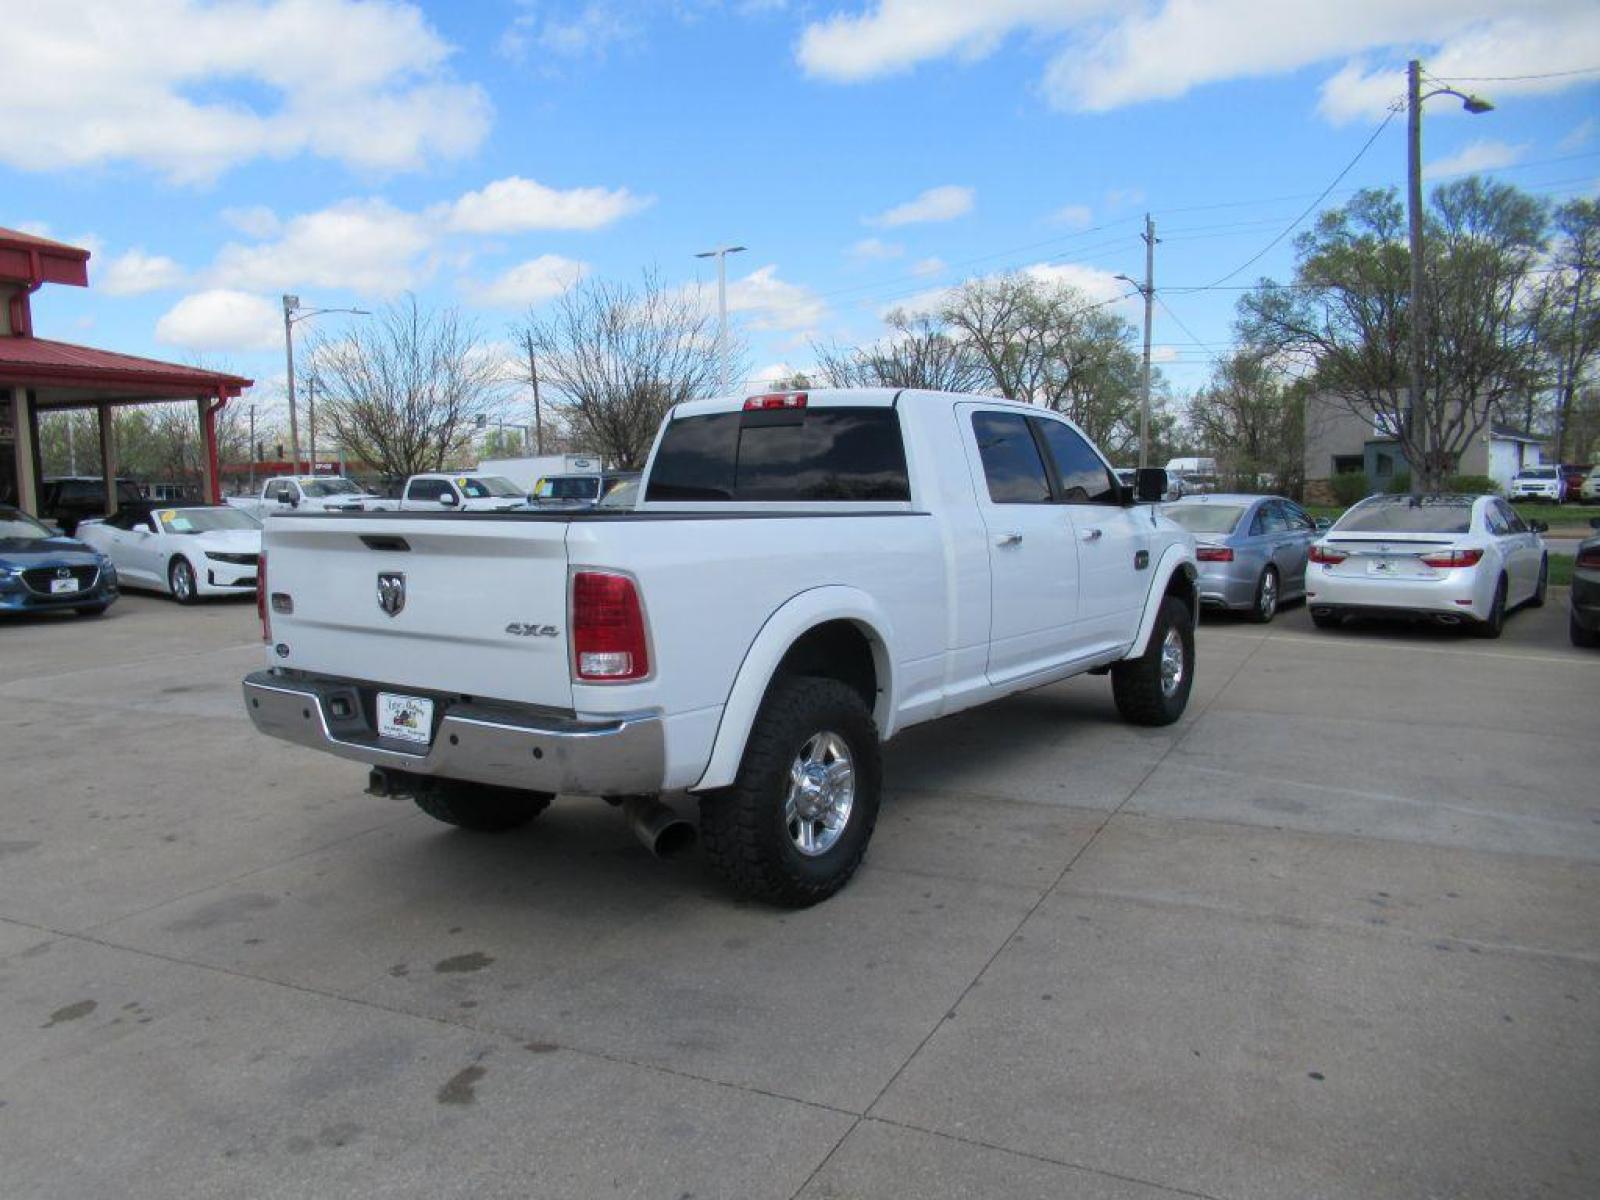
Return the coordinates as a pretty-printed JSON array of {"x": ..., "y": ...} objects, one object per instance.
[
  {"x": 261, "y": 597},
  {"x": 1453, "y": 558},
  {"x": 1214, "y": 553},
  {"x": 1590, "y": 558},
  {"x": 1321, "y": 554},
  {"x": 608, "y": 635},
  {"x": 775, "y": 400}
]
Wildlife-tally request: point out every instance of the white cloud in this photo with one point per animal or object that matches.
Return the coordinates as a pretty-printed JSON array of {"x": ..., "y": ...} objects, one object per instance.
[
  {"x": 588, "y": 33},
  {"x": 191, "y": 88},
  {"x": 936, "y": 204},
  {"x": 1096, "y": 284},
  {"x": 774, "y": 303},
  {"x": 928, "y": 266},
  {"x": 1074, "y": 216},
  {"x": 533, "y": 282},
  {"x": 516, "y": 205},
  {"x": 256, "y": 220},
  {"x": 1124, "y": 197},
  {"x": 1113, "y": 53},
  {"x": 135, "y": 272},
  {"x": 363, "y": 245},
  {"x": 1579, "y": 137},
  {"x": 1476, "y": 156},
  {"x": 876, "y": 250},
  {"x": 222, "y": 319}
]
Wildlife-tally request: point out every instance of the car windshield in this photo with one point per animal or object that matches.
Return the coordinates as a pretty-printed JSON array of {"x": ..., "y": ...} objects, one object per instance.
[
  {"x": 1537, "y": 473},
  {"x": 1424, "y": 514},
  {"x": 623, "y": 495},
  {"x": 482, "y": 487},
  {"x": 1206, "y": 518},
  {"x": 568, "y": 487},
  {"x": 204, "y": 520},
  {"x": 329, "y": 487},
  {"x": 20, "y": 527}
]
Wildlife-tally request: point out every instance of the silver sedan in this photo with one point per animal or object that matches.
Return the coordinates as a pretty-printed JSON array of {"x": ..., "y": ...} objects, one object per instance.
[{"x": 1251, "y": 549}]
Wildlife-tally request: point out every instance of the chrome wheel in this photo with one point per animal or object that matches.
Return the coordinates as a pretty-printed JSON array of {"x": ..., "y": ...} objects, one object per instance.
[
  {"x": 1172, "y": 665},
  {"x": 182, "y": 581},
  {"x": 1267, "y": 603},
  {"x": 822, "y": 791}
]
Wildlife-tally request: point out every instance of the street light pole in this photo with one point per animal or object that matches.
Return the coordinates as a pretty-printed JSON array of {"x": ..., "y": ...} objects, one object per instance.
[
  {"x": 721, "y": 255},
  {"x": 311, "y": 418},
  {"x": 290, "y": 303},
  {"x": 1147, "y": 289},
  {"x": 1416, "y": 424}
]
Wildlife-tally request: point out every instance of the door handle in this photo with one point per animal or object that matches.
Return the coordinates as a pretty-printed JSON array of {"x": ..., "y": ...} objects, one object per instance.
[
  {"x": 1008, "y": 539},
  {"x": 1092, "y": 535}
]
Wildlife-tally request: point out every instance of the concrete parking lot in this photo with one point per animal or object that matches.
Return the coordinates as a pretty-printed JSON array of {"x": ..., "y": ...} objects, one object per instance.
[{"x": 1337, "y": 934}]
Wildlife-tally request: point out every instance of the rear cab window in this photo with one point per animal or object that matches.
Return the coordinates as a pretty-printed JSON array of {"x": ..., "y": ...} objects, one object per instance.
[{"x": 815, "y": 454}]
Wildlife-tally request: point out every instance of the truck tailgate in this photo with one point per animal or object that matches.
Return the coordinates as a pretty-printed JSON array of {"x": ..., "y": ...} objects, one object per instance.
[{"x": 479, "y": 606}]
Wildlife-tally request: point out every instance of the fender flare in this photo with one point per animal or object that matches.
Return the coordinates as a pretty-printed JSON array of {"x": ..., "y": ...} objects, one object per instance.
[
  {"x": 1176, "y": 558},
  {"x": 788, "y": 623}
]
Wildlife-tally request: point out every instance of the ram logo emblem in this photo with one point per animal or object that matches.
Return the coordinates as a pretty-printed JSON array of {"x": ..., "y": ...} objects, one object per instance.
[{"x": 391, "y": 592}]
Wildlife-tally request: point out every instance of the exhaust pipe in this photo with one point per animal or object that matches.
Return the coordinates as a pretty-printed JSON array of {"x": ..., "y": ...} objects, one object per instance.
[{"x": 663, "y": 832}]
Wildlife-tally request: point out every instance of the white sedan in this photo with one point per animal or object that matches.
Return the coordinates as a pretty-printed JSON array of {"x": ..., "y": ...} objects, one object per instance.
[
  {"x": 188, "y": 552},
  {"x": 1454, "y": 560}
]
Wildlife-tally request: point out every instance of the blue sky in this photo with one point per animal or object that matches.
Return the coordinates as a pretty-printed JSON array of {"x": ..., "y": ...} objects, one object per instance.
[{"x": 868, "y": 152}]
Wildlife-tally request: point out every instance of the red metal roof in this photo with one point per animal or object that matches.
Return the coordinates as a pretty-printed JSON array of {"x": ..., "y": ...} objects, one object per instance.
[
  {"x": 42, "y": 362},
  {"x": 25, "y": 258},
  {"x": 30, "y": 241}
]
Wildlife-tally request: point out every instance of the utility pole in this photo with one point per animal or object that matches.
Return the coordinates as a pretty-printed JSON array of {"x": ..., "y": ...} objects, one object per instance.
[
  {"x": 311, "y": 418},
  {"x": 72, "y": 445},
  {"x": 533, "y": 376},
  {"x": 254, "y": 450},
  {"x": 1416, "y": 425},
  {"x": 290, "y": 303},
  {"x": 1147, "y": 289},
  {"x": 721, "y": 255}
]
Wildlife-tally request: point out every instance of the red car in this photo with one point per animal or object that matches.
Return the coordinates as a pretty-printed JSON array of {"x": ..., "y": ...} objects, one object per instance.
[{"x": 1572, "y": 477}]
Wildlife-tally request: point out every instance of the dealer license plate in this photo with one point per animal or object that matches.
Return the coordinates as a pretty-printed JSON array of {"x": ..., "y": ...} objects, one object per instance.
[
  {"x": 58, "y": 586},
  {"x": 406, "y": 718}
]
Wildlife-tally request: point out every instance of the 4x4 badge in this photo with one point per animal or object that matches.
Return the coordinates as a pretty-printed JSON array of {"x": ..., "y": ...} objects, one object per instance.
[{"x": 391, "y": 592}]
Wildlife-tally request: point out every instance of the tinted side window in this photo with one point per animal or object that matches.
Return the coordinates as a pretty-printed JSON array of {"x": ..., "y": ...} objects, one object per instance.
[
  {"x": 1084, "y": 478},
  {"x": 426, "y": 489},
  {"x": 820, "y": 454},
  {"x": 1273, "y": 519},
  {"x": 1513, "y": 520},
  {"x": 1298, "y": 517},
  {"x": 1011, "y": 463}
]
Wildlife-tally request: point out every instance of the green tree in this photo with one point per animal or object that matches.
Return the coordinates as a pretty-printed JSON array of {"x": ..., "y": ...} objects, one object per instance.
[
  {"x": 1251, "y": 417},
  {"x": 1568, "y": 310}
]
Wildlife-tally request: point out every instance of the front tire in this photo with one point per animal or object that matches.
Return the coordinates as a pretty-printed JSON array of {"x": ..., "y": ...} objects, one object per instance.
[
  {"x": 1153, "y": 689},
  {"x": 480, "y": 807},
  {"x": 181, "y": 581},
  {"x": 1537, "y": 601},
  {"x": 1579, "y": 636},
  {"x": 1266, "y": 602},
  {"x": 1327, "y": 620},
  {"x": 795, "y": 824}
]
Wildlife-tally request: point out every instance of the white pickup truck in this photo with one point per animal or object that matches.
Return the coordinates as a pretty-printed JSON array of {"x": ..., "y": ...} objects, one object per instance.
[
  {"x": 307, "y": 493},
  {"x": 806, "y": 576},
  {"x": 459, "y": 491}
]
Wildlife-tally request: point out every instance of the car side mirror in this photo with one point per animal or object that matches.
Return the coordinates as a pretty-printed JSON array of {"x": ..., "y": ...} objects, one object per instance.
[
  {"x": 448, "y": 500},
  {"x": 1539, "y": 526},
  {"x": 1594, "y": 522},
  {"x": 1323, "y": 524},
  {"x": 1150, "y": 484}
]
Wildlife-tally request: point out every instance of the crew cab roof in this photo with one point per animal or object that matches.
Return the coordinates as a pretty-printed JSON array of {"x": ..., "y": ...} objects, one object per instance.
[{"x": 815, "y": 398}]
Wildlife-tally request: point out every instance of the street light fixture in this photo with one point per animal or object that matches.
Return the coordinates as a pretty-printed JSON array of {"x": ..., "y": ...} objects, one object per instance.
[
  {"x": 721, "y": 255},
  {"x": 1475, "y": 105},
  {"x": 293, "y": 314}
]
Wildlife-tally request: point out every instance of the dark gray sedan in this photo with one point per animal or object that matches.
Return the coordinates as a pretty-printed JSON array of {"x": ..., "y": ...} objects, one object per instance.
[{"x": 1251, "y": 549}]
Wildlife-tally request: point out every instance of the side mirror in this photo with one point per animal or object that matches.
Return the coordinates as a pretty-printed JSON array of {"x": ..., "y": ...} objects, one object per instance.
[
  {"x": 1150, "y": 484},
  {"x": 1539, "y": 526},
  {"x": 448, "y": 499},
  {"x": 285, "y": 498},
  {"x": 1323, "y": 524},
  {"x": 1594, "y": 522}
]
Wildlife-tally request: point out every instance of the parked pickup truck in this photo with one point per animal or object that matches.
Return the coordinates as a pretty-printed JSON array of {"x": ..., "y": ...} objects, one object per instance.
[
  {"x": 307, "y": 493},
  {"x": 806, "y": 576},
  {"x": 462, "y": 491}
]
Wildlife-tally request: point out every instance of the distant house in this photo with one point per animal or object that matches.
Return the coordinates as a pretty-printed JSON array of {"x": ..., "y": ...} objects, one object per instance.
[{"x": 1339, "y": 440}]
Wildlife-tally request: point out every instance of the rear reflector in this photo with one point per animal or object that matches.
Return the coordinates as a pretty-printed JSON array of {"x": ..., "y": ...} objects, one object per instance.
[
  {"x": 775, "y": 400},
  {"x": 1214, "y": 553},
  {"x": 608, "y": 634},
  {"x": 1590, "y": 558},
  {"x": 1321, "y": 554},
  {"x": 1453, "y": 558}
]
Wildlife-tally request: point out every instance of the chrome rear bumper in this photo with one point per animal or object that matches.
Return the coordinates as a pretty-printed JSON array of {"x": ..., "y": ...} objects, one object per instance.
[{"x": 496, "y": 744}]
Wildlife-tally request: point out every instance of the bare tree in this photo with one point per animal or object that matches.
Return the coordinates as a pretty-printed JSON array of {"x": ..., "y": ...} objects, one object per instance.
[
  {"x": 1251, "y": 417},
  {"x": 402, "y": 391},
  {"x": 1568, "y": 311},
  {"x": 918, "y": 352},
  {"x": 615, "y": 358},
  {"x": 1347, "y": 317}
]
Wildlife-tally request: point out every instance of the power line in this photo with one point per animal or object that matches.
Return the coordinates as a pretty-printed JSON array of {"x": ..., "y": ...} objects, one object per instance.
[
  {"x": 1288, "y": 229},
  {"x": 1513, "y": 78}
]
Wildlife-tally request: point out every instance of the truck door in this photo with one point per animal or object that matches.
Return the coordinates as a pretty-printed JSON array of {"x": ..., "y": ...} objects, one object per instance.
[
  {"x": 1113, "y": 540},
  {"x": 1033, "y": 561}
]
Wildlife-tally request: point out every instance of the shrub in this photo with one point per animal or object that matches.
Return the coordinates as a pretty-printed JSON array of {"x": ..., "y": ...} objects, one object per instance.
[
  {"x": 1399, "y": 483},
  {"x": 1350, "y": 486},
  {"x": 1471, "y": 484}
]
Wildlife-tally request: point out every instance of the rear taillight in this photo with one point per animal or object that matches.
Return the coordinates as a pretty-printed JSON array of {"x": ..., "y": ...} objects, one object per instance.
[
  {"x": 775, "y": 400},
  {"x": 1590, "y": 558},
  {"x": 1214, "y": 553},
  {"x": 1453, "y": 558},
  {"x": 1321, "y": 554},
  {"x": 608, "y": 634},
  {"x": 261, "y": 597}
]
